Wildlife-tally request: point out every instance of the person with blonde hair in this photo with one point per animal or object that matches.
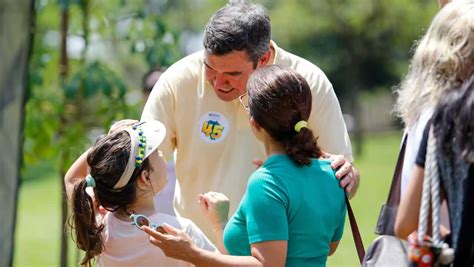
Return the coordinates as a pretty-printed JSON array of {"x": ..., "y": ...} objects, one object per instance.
[
  {"x": 442, "y": 60},
  {"x": 447, "y": 154}
]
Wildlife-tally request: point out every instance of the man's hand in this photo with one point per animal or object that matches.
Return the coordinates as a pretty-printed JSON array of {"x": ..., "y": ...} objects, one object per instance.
[
  {"x": 257, "y": 162},
  {"x": 348, "y": 176}
]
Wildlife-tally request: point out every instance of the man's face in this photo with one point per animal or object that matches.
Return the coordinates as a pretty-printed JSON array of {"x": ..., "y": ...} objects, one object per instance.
[{"x": 228, "y": 74}]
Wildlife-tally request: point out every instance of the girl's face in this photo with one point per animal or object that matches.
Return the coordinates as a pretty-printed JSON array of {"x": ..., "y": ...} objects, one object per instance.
[{"x": 158, "y": 173}]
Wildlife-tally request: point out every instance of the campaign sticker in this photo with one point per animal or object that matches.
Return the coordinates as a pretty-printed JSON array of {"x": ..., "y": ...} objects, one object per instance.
[{"x": 213, "y": 127}]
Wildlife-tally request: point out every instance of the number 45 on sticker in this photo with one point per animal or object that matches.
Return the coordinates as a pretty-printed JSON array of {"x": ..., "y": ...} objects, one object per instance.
[{"x": 212, "y": 129}]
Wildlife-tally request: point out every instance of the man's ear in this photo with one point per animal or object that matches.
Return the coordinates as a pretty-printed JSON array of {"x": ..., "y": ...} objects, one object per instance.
[
  {"x": 265, "y": 59},
  {"x": 254, "y": 124}
]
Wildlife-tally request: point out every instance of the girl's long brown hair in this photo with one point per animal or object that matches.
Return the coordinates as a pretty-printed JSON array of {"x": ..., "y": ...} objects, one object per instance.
[{"x": 107, "y": 160}]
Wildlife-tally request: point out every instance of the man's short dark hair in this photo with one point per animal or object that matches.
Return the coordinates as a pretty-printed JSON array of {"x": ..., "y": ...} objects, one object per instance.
[{"x": 239, "y": 27}]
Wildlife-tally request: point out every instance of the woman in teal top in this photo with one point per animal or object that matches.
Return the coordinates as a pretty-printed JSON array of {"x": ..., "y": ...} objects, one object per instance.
[
  {"x": 293, "y": 211},
  {"x": 303, "y": 205}
]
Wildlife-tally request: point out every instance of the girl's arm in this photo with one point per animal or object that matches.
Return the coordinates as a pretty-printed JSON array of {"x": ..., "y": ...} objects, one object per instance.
[
  {"x": 78, "y": 171},
  {"x": 176, "y": 244}
]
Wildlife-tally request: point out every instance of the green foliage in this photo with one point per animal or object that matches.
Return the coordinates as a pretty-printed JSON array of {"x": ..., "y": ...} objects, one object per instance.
[
  {"x": 359, "y": 44},
  {"x": 61, "y": 113}
]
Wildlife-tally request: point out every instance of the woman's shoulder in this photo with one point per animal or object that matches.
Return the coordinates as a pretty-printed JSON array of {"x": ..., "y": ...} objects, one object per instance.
[
  {"x": 321, "y": 161},
  {"x": 282, "y": 166}
]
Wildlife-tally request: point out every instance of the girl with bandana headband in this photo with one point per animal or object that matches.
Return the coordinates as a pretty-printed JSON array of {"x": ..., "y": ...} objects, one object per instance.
[{"x": 112, "y": 186}]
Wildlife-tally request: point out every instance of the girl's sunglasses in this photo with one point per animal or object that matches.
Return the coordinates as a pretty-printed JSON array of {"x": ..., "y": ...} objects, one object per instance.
[{"x": 140, "y": 220}]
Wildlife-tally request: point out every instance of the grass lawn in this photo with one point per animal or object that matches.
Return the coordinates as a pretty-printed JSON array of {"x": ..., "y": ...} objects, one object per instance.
[{"x": 39, "y": 223}]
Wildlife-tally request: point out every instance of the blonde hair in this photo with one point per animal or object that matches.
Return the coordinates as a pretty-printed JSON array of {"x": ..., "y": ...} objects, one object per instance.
[{"x": 441, "y": 59}]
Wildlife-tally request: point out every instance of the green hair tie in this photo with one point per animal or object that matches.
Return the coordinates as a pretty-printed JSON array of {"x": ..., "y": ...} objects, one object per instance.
[
  {"x": 90, "y": 182},
  {"x": 300, "y": 125}
]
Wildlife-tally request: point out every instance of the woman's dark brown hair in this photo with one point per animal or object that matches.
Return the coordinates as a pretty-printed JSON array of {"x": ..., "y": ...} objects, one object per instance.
[
  {"x": 278, "y": 99},
  {"x": 107, "y": 160}
]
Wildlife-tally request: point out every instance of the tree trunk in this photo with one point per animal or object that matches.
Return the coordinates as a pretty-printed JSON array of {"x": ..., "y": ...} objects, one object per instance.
[{"x": 63, "y": 69}]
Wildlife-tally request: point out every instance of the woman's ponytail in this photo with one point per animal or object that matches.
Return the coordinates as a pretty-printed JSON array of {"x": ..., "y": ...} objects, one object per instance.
[
  {"x": 83, "y": 222},
  {"x": 280, "y": 101},
  {"x": 301, "y": 146}
]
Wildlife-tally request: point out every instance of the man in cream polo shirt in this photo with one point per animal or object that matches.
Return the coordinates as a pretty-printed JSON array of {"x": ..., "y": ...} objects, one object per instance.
[{"x": 197, "y": 100}]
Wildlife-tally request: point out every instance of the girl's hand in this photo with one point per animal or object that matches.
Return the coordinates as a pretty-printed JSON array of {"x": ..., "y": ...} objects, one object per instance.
[
  {"x": 215, "y": 207},
  {"x": 121, "y": 125},
  {"x": 175, "y": 243}
]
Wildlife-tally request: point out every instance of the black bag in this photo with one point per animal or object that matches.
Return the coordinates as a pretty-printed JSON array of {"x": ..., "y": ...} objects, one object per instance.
[{"x": 387, "y": 250}]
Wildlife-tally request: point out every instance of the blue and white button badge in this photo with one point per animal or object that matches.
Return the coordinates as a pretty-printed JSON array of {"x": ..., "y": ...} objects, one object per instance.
[{"x": 213, "y": 127}]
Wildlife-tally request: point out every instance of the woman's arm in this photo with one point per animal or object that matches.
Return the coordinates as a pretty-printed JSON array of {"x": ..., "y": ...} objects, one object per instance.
[
  {"x": 215, "y": 206},
  {"x": 219, "y": 238},
  {"x": 176, "y": 244},
  {"x": 409, "y": 209}
]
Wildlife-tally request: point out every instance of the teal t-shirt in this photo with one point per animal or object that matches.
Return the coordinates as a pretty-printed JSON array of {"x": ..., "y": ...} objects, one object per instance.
[{"x": 283, "y": 201}]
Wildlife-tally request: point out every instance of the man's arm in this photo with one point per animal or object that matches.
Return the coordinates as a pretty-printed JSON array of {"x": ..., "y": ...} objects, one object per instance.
[
  {"x": 326, "y": 120},
  {"x": 328, "y": 126},
  {"x": 161, "y": 106}
]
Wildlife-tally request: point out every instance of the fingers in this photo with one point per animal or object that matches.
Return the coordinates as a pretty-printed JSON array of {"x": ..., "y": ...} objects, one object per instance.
[
  {"x": 257, "y": 162},
  {"x": 325, "y": 154},
  {"x": 203, "y": 204},
  {"x": 203, "y": 201},
  {"x": 122, "y": 124},
  {"x": 170, "y": 229},
  {"x": 347, "y": 182},
  {"x": 354, "y": 185},
  {"x": 157, "y": 236},
  {"x": 154, "y": 241},
  {"x": 350, "y": 182},
  {"x": 212, "y": 198},
  {"x": 337, "y": 161},
  {"x": 343, "y": 169}
]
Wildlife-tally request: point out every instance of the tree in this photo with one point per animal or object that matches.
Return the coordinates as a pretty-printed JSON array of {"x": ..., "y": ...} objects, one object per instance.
[{"x": 76, "y": 94}]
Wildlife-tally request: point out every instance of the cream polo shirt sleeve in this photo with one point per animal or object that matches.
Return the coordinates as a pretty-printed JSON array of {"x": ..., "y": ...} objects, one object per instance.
[
  {"x": 326, "y": 119},
  {"x": 161, "y": 106}
]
